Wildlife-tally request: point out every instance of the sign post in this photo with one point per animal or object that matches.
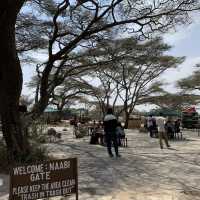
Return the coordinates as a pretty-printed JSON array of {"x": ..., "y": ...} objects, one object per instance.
[{"x": 43, "y": 180}]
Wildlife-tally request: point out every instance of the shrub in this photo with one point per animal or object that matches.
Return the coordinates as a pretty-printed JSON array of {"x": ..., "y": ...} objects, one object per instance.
[
  {"x": 37, "y": 131},
  {"x": 37, "y": 153}
]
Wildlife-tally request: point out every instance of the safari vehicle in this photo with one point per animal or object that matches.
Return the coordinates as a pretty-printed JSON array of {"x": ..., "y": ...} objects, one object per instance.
[{"x": 190, "y": 118}]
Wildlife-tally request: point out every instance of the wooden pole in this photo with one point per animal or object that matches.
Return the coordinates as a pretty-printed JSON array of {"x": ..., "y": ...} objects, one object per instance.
[{"x": 76, "y": 164}]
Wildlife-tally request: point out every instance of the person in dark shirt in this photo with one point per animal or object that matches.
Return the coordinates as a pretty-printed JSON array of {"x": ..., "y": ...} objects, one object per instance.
[
  {"x": 110, "y": 124},
  {"x": 177, "y": 126},
  {"x": 120, "y": 133},
  {"x": 169, "y": 126}
]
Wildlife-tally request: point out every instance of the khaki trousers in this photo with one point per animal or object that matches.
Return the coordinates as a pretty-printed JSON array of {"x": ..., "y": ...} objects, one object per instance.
[{"x": 163, "y": 135}]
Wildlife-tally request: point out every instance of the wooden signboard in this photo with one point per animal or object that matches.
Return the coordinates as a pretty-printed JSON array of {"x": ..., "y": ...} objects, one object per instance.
[{"x": 43, "y": 180}]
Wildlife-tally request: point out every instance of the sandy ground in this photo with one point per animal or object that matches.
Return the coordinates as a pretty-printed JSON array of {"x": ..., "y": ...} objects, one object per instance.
[{"x": 144, "y": 172}]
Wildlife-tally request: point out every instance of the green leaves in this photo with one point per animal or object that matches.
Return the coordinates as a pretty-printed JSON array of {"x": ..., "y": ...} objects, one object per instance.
[{"x": 190, "y": 83}]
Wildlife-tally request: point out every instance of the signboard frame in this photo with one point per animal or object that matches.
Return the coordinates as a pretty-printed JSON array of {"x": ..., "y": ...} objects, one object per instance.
[{"x": 24, "y": 179}]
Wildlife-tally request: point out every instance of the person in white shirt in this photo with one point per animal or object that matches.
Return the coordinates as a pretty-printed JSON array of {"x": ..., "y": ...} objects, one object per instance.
[{"x": 160, "y": 121}]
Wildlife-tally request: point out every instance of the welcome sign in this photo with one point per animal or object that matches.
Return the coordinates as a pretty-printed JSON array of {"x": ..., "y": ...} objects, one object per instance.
[{"x": 43, "y": 180}]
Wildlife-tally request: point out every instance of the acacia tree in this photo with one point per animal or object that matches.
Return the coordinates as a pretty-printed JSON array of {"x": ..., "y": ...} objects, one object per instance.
[
  {"x": 191, "y": 83},
  {"x": 129, "y": 78},
  {"x": 106, "y": 93},
  {"x": 74, "y": 23},
  {"x": 72, "y": 89},
  {"x": 31, "y": 33},
  {"x": 171, "y": 101}
]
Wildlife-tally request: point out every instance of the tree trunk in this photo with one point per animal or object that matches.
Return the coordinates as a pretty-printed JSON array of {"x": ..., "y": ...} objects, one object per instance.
[
  {"x": 127, "y": 116},
  {"x": 60, "y": 113},
  {"x": 11, "y": 84}
]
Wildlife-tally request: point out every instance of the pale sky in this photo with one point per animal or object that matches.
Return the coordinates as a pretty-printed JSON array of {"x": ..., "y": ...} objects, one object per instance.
[{"x": 185, "y": 42}]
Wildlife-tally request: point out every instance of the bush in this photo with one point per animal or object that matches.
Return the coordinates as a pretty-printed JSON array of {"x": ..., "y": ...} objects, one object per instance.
[
  {"x": 38, "y": 153},
  {"x": 37, "y": 131}
]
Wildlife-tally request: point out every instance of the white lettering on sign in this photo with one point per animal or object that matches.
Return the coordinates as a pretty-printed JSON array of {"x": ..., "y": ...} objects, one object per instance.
[
  {"x": 25, "y": 189},
  {"x": 55, "y": 185},
  {"x": 45, "y": 186},
  {"x": 52, "y": 193},
  {"x": 67, "y": 190},
  {"x": 20, "y": 190},
  {"x": 30, "y": 196},
  {"x": 69, "y": 182},
  {"x": 39, "y": 181},
  {"x": 40, "y": 176},
  {"x": 42, "y": 195},
  {"x": 30, "y": 169},
  {"x": 59, "y": 165},
  {"x": 34, "y": 188}
]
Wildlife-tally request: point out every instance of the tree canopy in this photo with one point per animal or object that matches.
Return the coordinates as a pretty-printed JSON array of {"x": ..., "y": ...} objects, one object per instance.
[{"x": 190, "y": 83}]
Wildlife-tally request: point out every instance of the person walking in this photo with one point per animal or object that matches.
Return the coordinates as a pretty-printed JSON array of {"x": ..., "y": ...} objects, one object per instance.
[
  {"x": 151, "y": 125},
  {"x": 160, "y": 121},
  {"x": 110, "y": 124}
]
